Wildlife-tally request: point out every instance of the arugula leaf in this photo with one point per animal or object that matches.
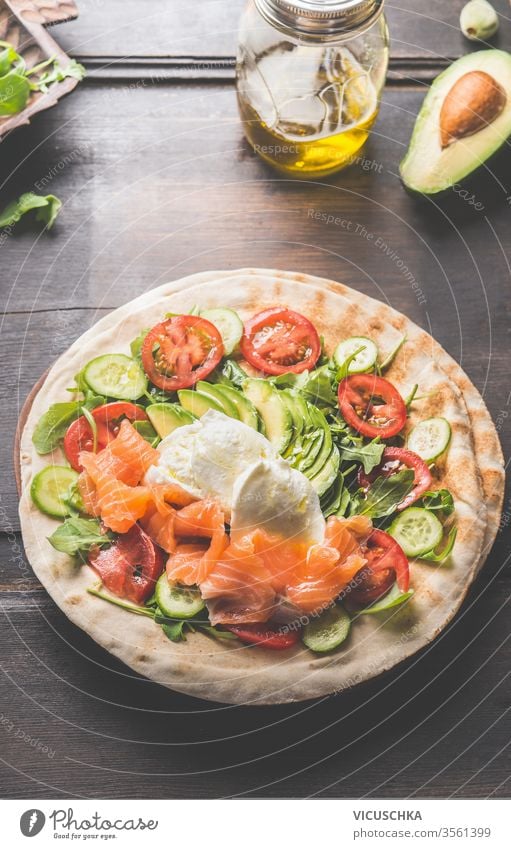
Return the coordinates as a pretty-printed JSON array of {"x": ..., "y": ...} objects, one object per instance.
[
  {"x": 369, "y": 455},
  {"x": 175, "y": 631},
  {"x": 91, "y": 400},
  {"x": 8, "y": 57},
  {"x": 411, "y": 397},
  {"x": 52, "y": 425},
  {"x": 392, "y": 354},
  {"x": 136, "y": 345},
  {"x": 385, "y": 494},
  {"x": 77, "y": 534},
  {"x": 438, "y": 501},
  {"x": 391, "y": 599},
  {"x": 48, "y": 206},
  {"x": 57, "y": 73},
  {"x": 218, "y": 635},
  {"x": 147, "y": 432},
  {"x": 320, "y": 386},
  {"x": 229, "y": 372},
  {"x": 440, "y": 556},
  {"x": 126, "y": 605},
  {"x": 14, "y": 93}
]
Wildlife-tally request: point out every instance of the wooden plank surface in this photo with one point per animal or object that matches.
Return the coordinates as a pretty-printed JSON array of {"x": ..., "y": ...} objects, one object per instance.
[
  {"x": 158, "y": 28},
  {"x": 157, "y": 182}
]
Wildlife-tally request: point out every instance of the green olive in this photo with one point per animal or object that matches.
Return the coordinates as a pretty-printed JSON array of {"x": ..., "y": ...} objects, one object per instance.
[{"x": 479, "y": 20}]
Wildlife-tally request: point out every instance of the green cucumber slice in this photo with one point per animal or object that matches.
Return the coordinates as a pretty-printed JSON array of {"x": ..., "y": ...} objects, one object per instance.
[
  {"x": 228, "y": 323},
  {"x": 51, "y": 490},
  {"x": 430, "y": 438},
  {"x": 327, "y": 631},
  {"x": 177, "y": 602},
  {"x": 364, "y": 360},
  {"x": 116, "y": 376},
  {"x": 417, "y": 531},
  {"x": 167, "y": 417},
  {"x": 197, "y": 403},
  {"x": 212, "y": 391}
]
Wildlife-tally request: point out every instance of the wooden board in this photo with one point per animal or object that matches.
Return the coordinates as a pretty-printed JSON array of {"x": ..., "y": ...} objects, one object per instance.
[{"x": 157, "y": 182}]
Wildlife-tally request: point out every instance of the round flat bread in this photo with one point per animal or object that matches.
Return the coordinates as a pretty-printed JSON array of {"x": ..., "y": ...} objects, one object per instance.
[{"x": 232, "y": 673}]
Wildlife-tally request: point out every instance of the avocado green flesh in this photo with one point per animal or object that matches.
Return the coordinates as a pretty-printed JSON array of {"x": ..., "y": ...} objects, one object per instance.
[
  {"x": 167, "y": 417},
  {"x": 427, "y": 168}
]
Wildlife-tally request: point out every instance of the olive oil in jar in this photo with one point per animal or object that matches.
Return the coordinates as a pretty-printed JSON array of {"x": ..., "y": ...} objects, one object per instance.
[{"x": 308, "y": 98}]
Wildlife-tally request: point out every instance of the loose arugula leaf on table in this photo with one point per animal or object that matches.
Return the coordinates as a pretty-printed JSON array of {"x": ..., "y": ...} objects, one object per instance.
[
  {"x": 384, "y": 495},
  {"x": 48, "y": 206},
  {"x": 369, "y": 455},
  {"x": 14, "y": 93},
  {"x": 438, "y": 501},
  {"x": 56, "y": 73},
  {"x": 76, "y": 535},
  {"x": 8, "y": 57},
  {"x": 52, "y": 425}
]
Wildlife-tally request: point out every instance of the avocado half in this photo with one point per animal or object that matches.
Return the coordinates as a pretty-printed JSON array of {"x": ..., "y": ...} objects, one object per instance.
[{"x": 464, "y": 120}]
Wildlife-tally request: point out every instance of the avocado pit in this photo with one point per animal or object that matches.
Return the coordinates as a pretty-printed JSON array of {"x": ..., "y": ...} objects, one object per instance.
[{"x": 474, "y": 102}]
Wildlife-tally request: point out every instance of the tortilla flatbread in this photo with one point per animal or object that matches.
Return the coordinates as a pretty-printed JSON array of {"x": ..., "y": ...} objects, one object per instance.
[{"x": 232, "y": 673}]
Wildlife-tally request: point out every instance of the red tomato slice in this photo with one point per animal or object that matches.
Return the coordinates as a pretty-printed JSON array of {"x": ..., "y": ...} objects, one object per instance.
[
  {"x": 79, "y": 436},
  {"x": 130, "y": 567},
  {"x": 180, "y": 351},
  {"x": 393, "y": 460},
  {"x": 357, "y": 395},
  {"x": 386, "y": 563},
  {"x": 279, "y": 340},
  {"x": 261, "y": 635}
]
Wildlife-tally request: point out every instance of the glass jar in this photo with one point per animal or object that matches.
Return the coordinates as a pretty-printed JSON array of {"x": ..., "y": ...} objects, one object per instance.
[{"x": 309, "y": 78}]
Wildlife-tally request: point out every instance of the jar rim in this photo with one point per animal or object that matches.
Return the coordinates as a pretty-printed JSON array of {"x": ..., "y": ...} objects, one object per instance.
[{"x": 321, "y": 19}]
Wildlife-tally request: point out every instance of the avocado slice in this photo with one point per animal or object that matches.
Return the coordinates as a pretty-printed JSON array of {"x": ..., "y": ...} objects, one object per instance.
[
  {"x": 213, "y": 391},
  {"x": 328, "y": 474},
  {"x": 167, "y": 417},
  {"x": 246, "y": 410},
  {"x": 197, "y": 403},
  {"x": 464, "y": 120},
  {"x": 277, "y": 420}
]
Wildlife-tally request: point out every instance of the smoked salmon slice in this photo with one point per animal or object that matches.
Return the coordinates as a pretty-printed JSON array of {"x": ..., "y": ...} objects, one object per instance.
[
  {"x": 197, "y": 521},
  {"x": 259, "y": 572},
  {"x": 239, "y": 587}
]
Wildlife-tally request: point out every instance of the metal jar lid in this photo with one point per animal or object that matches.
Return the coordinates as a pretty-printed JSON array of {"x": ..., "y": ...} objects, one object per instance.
[{"x": 321, "y": 19}]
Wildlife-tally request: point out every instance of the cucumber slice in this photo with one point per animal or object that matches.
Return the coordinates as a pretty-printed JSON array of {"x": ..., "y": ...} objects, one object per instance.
[
  {"x": 417, "y": 531},
  {"x": 116, "y": 376},
  {"x": 167, "y": 417},
  {"x": 277, "y": 420},
  {"x": 212, "y": 391},
  {"x": 247, "y": 413},
  {"x": 228, "y": 323},
  {"x": 430, "y": 438},
  {"x": 177, "y": 602},
  {"x": 197, "y": 403},
  {"x": 364, "y": 360},
  {"x": 50, "y": 490},
  {"x": 327, "y": 631}
]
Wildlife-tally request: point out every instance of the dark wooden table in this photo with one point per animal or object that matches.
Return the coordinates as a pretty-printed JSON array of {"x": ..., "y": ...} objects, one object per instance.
[{"x": 157, "y": 182}]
